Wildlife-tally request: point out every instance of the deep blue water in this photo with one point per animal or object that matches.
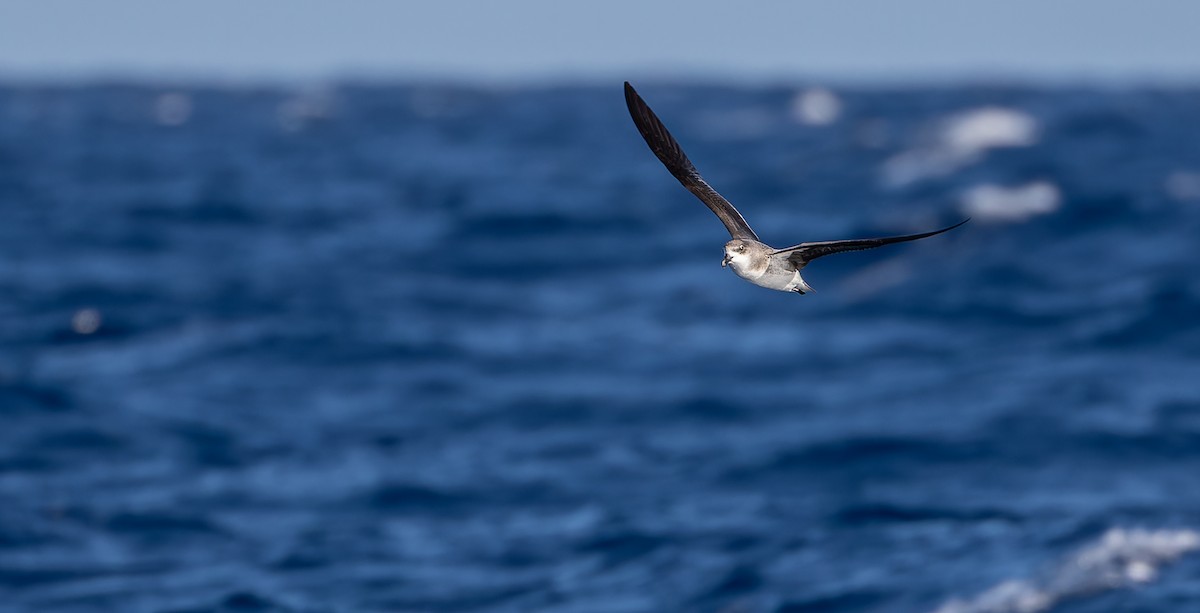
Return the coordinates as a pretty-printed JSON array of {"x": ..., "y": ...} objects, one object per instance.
[{"x": 442, "y": 348}]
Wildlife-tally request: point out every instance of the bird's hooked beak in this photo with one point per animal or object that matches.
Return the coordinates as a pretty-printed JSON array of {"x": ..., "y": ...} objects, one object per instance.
[{"x": 725, "y": 261}]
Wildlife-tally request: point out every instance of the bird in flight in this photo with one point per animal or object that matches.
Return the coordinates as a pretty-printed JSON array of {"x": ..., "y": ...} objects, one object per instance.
[{"x": 750, "y": 258}]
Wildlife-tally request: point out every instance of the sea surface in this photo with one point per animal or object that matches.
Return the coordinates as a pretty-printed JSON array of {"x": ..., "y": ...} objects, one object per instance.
[{"x": 426, "y": 347}]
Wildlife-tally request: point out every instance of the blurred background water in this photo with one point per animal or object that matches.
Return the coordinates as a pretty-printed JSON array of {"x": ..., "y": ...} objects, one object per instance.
[{"x": 425, "y": 347}]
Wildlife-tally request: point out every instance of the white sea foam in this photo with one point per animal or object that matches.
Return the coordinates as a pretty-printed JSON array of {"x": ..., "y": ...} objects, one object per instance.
[
  {"x": 960, "y": 140},
  {"x": 306, "y": 107},
  {"x": 816, "y": 106},
  {"x": 998, "y": 203},
  {"x": 989, "y": 128},
  {"x": 173, "y": 109},
  {"x": 1121, "y": 558},
  {"x": 86, "y": 321},
  {"x": 1183, "y": 185}
]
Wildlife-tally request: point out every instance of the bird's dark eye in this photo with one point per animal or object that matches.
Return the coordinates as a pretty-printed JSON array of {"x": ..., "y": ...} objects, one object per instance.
[{"x": 742, "y": 248}]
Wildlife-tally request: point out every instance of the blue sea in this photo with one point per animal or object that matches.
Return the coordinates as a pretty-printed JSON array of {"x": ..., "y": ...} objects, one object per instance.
[{"x": 432, "y": 347}]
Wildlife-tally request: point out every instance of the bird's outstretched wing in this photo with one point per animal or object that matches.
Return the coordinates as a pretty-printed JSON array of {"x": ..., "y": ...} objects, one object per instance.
[
  {"x": 672, "y": 156},
  {"x": 804, "y": 253}
]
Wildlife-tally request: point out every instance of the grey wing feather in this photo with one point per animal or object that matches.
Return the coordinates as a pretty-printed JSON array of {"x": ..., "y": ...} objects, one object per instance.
[
  {"x": 804, "y": 253},
  {"x": 672, "y": 156}
]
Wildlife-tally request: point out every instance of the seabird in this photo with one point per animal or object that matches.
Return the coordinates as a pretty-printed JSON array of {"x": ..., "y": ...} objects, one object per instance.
[{"x": 750, "y": 258}]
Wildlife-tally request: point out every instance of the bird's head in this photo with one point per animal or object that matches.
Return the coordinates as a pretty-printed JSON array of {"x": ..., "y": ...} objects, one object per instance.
[{"x": 738, "y": 253}]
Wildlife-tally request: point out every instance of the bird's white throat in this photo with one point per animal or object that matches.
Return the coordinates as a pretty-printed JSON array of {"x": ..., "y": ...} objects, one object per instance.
[{"x": 741, "y": 263}]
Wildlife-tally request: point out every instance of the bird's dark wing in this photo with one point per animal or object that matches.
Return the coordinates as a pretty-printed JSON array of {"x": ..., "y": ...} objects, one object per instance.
[
  {"x": 806, "y": 252},
  {"x": 672, "y": 156}
]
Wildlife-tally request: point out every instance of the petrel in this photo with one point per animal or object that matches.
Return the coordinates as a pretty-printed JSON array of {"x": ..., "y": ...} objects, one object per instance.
[{"x": 750, "y": 258}]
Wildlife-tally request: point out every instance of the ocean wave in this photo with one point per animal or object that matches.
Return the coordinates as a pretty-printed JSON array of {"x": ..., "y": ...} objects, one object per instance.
[
  {"x": 1121, "y": 558},
  {"x": 446, "y": 347},
  {"x": 1011, "y": 204},
  {"x": 960, "y": 140}
]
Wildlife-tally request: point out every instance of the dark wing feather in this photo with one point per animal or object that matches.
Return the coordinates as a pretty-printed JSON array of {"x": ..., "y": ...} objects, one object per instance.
[
  {"x": 806, "y": 252},
  {"x": 672, "y": 156}
]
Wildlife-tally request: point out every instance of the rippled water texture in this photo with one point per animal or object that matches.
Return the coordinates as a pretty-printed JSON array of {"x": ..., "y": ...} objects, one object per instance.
[{"x": 431, "y": 348}]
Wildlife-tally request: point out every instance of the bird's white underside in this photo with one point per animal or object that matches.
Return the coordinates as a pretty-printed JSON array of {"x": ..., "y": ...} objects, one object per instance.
[{"x": 745, "y": 266}]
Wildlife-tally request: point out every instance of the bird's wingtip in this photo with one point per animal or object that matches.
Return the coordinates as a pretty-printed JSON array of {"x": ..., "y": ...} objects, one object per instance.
[
  {"x": 633, "y": 100},
  {"x": 949, "y": 228}
]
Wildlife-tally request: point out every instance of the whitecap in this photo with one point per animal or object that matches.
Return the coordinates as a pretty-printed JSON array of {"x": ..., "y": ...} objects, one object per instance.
[
  {"x": 173, "y": 109},
  {"x": 986, "y": 128},
  {"x": 999, "y": 203},
  {"x": 86, "y": 321},
  {"x": 918, "y": 164},
  {"x": 1183, "y": 185},
  {"x": 960, "y": 140},
  {"x": 1121, "y": 558},
  {"x": 816, "y": 106},
  {"x": 304, "y": 108}
]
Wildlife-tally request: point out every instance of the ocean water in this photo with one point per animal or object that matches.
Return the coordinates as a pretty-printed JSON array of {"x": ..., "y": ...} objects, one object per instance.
[{"x": 428, "y": 347}]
